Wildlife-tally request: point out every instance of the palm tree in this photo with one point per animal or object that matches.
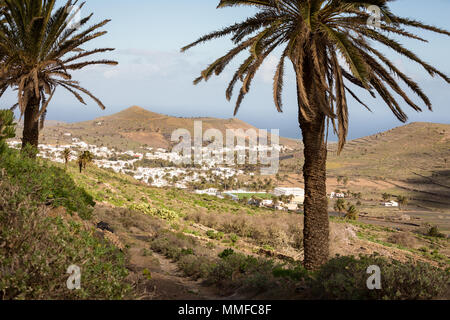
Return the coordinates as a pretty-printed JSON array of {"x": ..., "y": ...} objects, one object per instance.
[
  {"x": 83, "y": 159},
  {"x": 87, "y": 157},
  {"x": 402, "y": 201},
  {"x": 66, "y": 155},
  {"x": 80, "y": 162},
  {"x": 339, "y": 205},
  {"x": 38, "y": 50},
  {"x": 352, "y": 212},
  {"x": 331, "y": 47}
]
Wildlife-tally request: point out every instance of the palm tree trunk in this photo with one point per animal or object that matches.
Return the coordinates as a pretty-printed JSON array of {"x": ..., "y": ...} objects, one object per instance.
[
  {"x": 31, "y": 126},
  {"x": 316, "y": 223},
  {"x": 316, "y": 220}
]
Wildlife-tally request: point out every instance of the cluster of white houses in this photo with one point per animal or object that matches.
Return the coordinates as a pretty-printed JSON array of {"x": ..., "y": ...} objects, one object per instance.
[
  {"x": 158, "y": 177},
  {"x": 164, "y": 176},
  {"x": 173, "y": 176},
  {"x": 296, "y": 195}
]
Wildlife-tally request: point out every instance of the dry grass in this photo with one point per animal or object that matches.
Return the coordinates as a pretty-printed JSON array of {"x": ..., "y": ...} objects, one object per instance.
[{"x": 278, "y": 230}]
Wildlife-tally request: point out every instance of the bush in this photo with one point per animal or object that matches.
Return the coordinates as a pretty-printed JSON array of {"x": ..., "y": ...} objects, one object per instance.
[
  {"x": 405, "y": 239},
  {"x": 36, "y": 250},
  {"x": 195, "y": 266},
  {"x": 215, "y": 235},
  {"x": 172, "y": 245},
  {"x": 434, "y": 232},
  {"x": 226, "y": 253},
  {"x": 162, "y": 213},
  {"x": 344, "y": 278},
  {"x": 239, "y": 271},
  {"x": 7, "y": 128},
  {"x": 296, "y": 273},
  {"x": 46, "y": 183}
]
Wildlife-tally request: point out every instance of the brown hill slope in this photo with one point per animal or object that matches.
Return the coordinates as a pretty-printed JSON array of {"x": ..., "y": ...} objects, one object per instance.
[
  {"x": 411, "y": 160},
  {"x": 418, "y": 147},
  {"x": 135, "y": 126}
]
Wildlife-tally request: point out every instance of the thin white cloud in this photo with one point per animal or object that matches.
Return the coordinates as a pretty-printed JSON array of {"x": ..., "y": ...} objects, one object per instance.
[{"x": 268, "y": 69}]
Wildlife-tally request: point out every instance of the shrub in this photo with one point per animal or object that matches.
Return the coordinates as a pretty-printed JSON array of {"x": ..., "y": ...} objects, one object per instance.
[
  {"x": 46, "y": 183},
  {"x": 345, "y": 278},
  {"x": 405, "y": 239},
  {"x": 7, "y": 129},
  {"x": 195, "y": 266},
  {"x": 239, "y": 271},
  {"x": 214, "y": 235},
  {"x": 36, "y": 250},
  {"x": 172, "y": 245},
  {"x": 226, "y": 253},
  {"x": 162, "y": 213},
  {"x": 297, "y": 273},
  {"x": 233, "y": 238},
  {"x": 434, "y": 232}
]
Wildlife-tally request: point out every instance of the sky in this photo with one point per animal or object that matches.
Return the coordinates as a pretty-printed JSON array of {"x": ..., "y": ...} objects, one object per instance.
[{"x": 154, "y": 74}]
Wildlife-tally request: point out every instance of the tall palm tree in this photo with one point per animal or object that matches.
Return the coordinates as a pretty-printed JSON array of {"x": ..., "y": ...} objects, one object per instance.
[
  {"x": 83, "y": 159},
  {"x": 331, "y": 48},
  {"x": 87, "y": 158},
  {"x": 351, "y": 212},
  {"x": 39, "y": 46},
  {"x": 66, "y": 155},
  {"x": 402, "y": 201},
  {"x": 340, "y": 206}
]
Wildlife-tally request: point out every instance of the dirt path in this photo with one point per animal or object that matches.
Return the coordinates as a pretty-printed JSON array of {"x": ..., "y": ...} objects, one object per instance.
[{"x": 162, "y": 278}]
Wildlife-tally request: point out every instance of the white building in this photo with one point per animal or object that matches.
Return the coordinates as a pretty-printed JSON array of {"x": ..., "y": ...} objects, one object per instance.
[
  {"x": 210, "y": 191},
  {"x": 391, "y": 203},
  {"x": 337, "y": 195},
  {"x": 298, "y": 193}
]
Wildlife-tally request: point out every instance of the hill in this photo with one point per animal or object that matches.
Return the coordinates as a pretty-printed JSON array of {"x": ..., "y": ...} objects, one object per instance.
[
  {"x": 165, "y": 243},
  {"x": 411, "y": 160},
  {"x": 417, "y": 147},
  {"x": 136, "y": 127}
]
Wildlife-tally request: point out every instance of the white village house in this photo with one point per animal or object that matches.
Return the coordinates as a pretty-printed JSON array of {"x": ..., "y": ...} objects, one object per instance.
[
  {"x": 298, "y": 193},
  {"x": 391, "y": 203},
  {"x": 337, "y": 195}
]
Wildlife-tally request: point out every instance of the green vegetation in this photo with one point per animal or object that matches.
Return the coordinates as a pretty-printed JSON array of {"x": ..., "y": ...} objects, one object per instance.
[
  {"x": 265, "y": 196},
  {"x": 434, "y": 232},
  {"x": 39, "y": 246},
  {"x": 84, "y": 158},
  {"x": 351, "y": 212},
  {"x": 340, "y": 205},
  {"x": 66, "y": 155},
  {"x": 345, "y": 278},
  {"x": 7, "y": 130},
  {"x": 46, "y": 183},
  {"x": 161, "y": 213},
  {"x": 340, "y": 278}
]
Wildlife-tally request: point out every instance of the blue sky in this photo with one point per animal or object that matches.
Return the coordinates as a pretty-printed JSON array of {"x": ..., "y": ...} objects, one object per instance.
[{"x": 152, "y": 73}]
